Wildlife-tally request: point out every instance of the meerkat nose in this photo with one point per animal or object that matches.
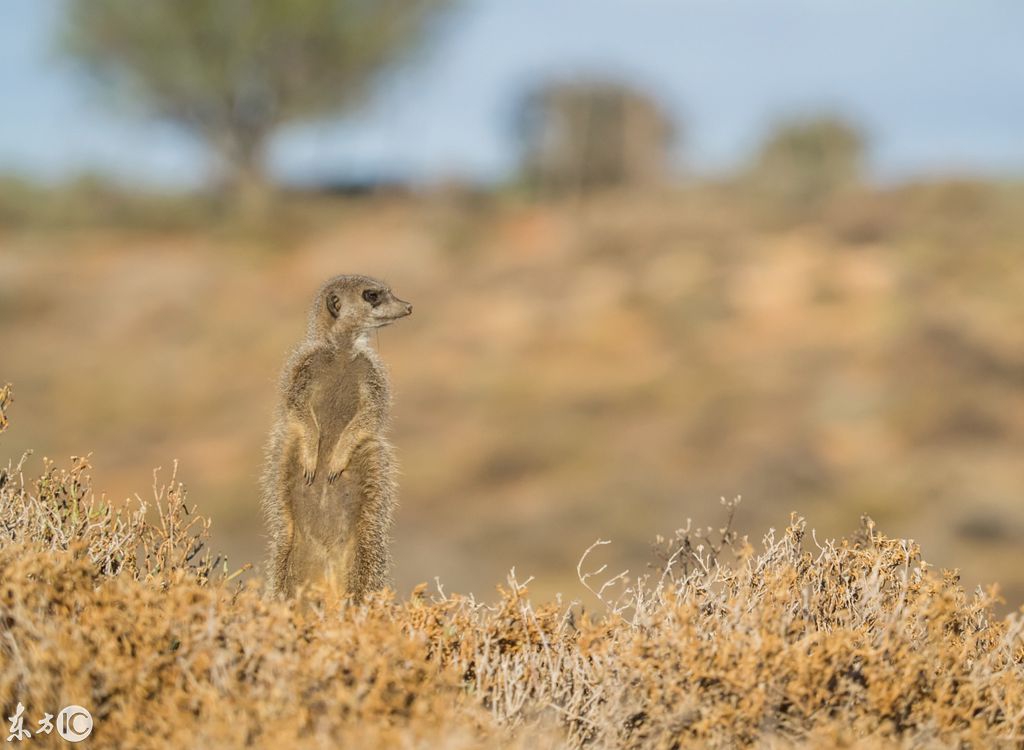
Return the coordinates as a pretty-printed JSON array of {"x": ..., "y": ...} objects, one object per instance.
[{"x": 408, "y": 309}]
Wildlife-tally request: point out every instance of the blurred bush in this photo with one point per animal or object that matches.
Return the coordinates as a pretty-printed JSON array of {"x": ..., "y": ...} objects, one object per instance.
[
  {"x": 802, "y": 164},
  {"x": 578, "y": 137}
]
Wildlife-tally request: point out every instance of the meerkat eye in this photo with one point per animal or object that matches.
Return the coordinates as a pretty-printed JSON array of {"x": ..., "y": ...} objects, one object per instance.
[{"x": 372, "y": 296}]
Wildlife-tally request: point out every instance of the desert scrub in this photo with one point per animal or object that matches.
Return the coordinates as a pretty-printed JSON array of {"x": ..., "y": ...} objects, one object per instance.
[
  {"x": 145, "y": 540},
  {"x": 793, "y": 642}
]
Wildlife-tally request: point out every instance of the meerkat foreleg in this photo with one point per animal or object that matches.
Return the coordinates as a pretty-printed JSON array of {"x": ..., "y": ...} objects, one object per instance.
[{"x": 305, "y": 430}]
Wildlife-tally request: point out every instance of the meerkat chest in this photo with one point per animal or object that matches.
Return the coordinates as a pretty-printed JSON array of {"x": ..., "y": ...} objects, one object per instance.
[
  {"x": 339, "y": 392},
  {"x": 336, "y": 394}
]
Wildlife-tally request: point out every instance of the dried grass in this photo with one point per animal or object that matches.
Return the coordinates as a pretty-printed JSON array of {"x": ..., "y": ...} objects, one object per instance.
[{"x": 855, "y": 642}]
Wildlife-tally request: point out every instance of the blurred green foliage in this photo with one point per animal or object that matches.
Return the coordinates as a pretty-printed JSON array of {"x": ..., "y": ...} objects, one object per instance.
[
  {"x": 92, "y": 200},
  {"x": 232, "y": 71}
]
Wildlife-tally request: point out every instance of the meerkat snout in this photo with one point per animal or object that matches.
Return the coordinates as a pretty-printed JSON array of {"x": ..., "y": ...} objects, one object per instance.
[{"x": 385, "y": 307}]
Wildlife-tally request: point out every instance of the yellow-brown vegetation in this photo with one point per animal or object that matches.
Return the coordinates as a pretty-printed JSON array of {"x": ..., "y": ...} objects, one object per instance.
[{"x": 793, "y": 641}]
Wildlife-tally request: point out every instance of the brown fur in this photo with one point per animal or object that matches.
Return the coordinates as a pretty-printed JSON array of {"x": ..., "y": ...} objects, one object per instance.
[{"x": 329, "y": 488}]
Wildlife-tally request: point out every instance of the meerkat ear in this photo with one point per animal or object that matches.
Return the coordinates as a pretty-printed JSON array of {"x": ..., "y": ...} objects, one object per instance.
[{"x": 333, "y": 304}]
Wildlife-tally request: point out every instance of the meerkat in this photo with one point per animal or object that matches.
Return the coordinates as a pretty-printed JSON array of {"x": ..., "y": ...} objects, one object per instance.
[{"x": 329, "y": 480}]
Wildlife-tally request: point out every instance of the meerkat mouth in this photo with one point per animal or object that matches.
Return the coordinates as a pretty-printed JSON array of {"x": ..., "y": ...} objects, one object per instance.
[
  {"x": 386, "y": 321},
  {"x": 382, "y": 322}
]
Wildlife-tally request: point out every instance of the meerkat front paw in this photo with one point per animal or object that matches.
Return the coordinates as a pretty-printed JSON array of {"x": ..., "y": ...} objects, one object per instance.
[
  {"x": 341, "y": 456},
  {"x": 307, "y": 460},
  {"x": 337, "y": 465}
]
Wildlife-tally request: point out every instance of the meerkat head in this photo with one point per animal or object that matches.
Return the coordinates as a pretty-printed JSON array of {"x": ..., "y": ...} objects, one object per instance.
[{"x": 351, "y": 305}]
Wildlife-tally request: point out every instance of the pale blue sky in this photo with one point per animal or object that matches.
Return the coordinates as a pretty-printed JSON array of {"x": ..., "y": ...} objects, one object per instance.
[{"x": 939, "y": 85}]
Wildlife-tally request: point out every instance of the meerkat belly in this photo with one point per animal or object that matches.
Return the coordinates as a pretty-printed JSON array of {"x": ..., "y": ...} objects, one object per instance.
[
  {"x": 325, "y": 511},
  {"x": 325, "y": 533}
]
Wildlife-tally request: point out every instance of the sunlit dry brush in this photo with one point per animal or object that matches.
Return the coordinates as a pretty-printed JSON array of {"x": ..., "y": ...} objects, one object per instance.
[
  {"x": 796, "y": 642},
  {"x": 845, "y": 640}
]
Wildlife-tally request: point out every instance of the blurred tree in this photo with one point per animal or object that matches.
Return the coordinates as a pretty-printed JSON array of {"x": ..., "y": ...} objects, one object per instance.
[
  {"x": 587, "y": 135},
  {"x": 802, "y": 163},
  {"x": 232, "y": 71}
]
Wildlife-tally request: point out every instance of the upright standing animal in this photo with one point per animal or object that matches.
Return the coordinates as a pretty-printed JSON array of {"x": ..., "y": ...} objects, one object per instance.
[{"x": 329, "y": 483}]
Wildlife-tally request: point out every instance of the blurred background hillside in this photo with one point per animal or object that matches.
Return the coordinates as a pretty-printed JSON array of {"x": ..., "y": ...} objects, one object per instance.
[{"x": 660, "y": 253}]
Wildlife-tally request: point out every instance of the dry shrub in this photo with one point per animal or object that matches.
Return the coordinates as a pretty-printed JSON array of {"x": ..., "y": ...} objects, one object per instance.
[
  {"x": 799, "y": 642},
  {"x": 58, "y": 511}
]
